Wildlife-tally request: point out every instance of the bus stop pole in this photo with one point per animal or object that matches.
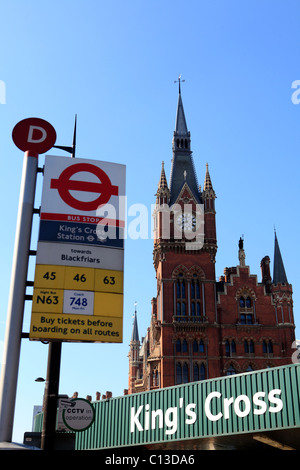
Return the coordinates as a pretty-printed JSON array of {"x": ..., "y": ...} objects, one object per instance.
[
  {"x": 15, "y": 312},
  {"x": 51, "y": 396}
]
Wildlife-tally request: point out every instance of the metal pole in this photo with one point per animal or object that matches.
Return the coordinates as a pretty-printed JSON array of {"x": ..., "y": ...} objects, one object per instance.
[
  {"x": 15, "y": 312},
  {"x": 51, "y": 397}
]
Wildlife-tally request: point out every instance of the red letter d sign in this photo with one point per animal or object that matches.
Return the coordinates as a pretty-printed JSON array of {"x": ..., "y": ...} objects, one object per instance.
[{"x": 34, "y": 134}]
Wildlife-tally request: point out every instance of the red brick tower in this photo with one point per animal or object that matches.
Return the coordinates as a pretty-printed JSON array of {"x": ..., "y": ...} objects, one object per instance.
[{"x": 202, "y": 328}]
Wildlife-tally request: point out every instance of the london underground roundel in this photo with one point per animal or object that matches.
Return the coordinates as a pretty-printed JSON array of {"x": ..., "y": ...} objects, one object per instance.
[{"x": 103, "y": 188}]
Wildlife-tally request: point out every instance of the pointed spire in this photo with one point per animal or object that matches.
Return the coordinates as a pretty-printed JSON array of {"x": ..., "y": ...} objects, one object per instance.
[
  {"x": 208, "y": 190},
  {"x": 180, "y": 123},
  {"x": 163, "y": 180},
  {"x": 279, "y": 275},
  {"x": 135, "y": 331},
  {"x": 207, "y": 182},
  {"x": 182, "y": 170}
]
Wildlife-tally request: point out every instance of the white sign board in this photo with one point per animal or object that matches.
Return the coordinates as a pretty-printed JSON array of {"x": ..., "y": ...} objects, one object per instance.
[{"x": 80, "y": 246}]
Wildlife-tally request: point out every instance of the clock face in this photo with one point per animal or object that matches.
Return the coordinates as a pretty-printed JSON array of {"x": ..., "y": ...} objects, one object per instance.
[{"x": 186, "y": 221}]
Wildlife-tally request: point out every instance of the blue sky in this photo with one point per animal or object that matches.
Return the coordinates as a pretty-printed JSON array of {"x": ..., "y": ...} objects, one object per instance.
[{"x": 114, "y": 64}]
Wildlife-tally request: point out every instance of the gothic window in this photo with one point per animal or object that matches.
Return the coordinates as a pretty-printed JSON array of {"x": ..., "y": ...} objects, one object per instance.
[
  {"x": 196, "y": 373},
  {"x": 195, "y": 297},
  {"x": 178, "y": 345},
  {"x": 180, "y": 296},
  {"x": 230, "y": 348},
  {"x": 178, "y": 373},
  {"x": 184, "y": 346},
  {"x": 248, "y": 347},
  {"x": 155, "y": 378},
  {"x": 199, "y": 372},
  {"x": 231, "y": 370},
  {"x": 267, "y": 347},
  {"x": 185, "y": 373},
  {"x": 182, "y": 373},
  {"x": 246, "y": 308},
  {"x": 198, "y": 347},
  {"x": 202, "y": 372},
  {"x": 189, "y": 301}
]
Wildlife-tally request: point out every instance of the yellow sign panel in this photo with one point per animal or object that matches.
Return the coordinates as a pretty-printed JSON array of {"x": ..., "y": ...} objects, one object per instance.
[
  {"x": 49, "y": 276},
  {"x": 111, "y": 304},
  {"x": 79, "y": 278},
  {"x": 108, "y": 281},
  {"x": 76, "y": 327},
  {"x": 77, "y": 304},
  {"x": 47, "y": 300}
]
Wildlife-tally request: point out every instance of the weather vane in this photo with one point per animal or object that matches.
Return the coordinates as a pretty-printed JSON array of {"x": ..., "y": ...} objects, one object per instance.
[{"x": 179, "y": 81}]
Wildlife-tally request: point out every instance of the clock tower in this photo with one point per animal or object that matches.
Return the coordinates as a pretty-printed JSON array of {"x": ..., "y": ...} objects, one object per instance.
[
  {"x": 184, "y": 260},
  {"x": 201, "y": 327}
]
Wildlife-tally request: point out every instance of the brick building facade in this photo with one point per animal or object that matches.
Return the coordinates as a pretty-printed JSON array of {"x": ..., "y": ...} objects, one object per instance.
[{"x": 202, "y": 327}]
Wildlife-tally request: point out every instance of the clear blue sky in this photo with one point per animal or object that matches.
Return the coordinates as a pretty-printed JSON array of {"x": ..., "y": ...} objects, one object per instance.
[{"x": 114, "y": 64}]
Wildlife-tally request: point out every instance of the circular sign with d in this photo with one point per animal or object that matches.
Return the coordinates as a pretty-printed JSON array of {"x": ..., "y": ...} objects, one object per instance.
[
  {"x": 34, "y": 134},
  {"x": 79, "y": 414}
]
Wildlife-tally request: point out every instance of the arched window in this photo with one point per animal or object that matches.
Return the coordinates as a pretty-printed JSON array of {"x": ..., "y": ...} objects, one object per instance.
[
  {"x": 184, "y": 346},
  {"x": 178, "y": 345},
  {"x": 185, "y": 373},
  {"x": 199, "y": 372},
  {"x": 195, "y": 297},
  {"x": 178, "y": 373},
  {"x": 267, "y": 347},
  {"x": 231, "y": 370},
  {"x": 248, "y": 346},
  {"x": 202, "y": 372},
  {"x": 246, "y": 308},
  {"x": 180, "y": 296},
  {"x": 196, "y": 373},
  {"x": 230, "y": 348},
  {"x": 155, "y": 378},
  {"x": 195, "y": 346}
]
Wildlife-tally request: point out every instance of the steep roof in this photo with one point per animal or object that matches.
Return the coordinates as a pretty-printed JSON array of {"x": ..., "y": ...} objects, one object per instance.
[
  {"x": 135, "y": 331},
  {"x": 279, "y": 275},
  {"x": 182, "y": 170}
]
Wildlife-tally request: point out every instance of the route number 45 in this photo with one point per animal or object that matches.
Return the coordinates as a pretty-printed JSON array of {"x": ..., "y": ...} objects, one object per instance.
[{"x": 50, "y": 276}]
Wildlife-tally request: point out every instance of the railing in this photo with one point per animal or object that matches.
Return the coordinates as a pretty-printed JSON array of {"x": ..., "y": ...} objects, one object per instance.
[{"x": 190, "y": 319}]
